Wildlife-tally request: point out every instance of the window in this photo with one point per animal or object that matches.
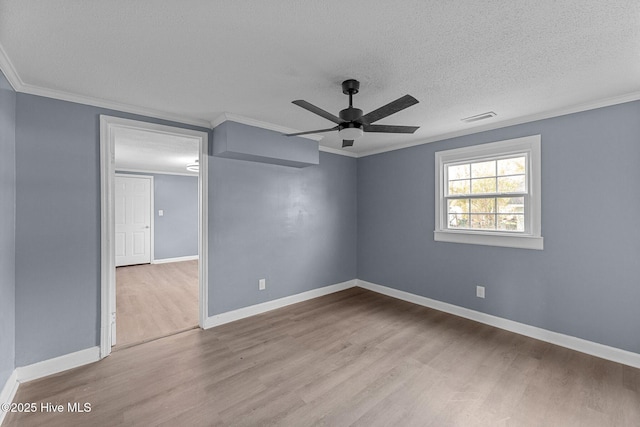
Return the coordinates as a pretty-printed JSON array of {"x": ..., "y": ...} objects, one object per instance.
[{"x": 489, "y": 194}]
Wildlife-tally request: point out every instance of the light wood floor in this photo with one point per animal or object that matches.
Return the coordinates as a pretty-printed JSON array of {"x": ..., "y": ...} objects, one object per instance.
[
  {"x": 155, "y": 300},
  {"x": 350, "y": 358}
]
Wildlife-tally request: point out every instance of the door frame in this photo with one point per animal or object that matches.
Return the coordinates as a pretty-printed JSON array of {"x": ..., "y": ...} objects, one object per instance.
[
  {"x": 108, "y": 125},
  {"x": 151, "y": 209}
]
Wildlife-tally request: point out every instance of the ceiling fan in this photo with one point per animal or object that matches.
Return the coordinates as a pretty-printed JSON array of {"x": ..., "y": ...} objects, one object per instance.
[{"x": 352, "y": 124}]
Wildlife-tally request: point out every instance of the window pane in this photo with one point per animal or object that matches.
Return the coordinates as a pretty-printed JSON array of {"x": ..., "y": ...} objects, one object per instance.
[
  {"x": 510, "y": 204},
  {"x": 513, "y": 166},
  {"x": 459, "y": 187},
  {"x": 483, "y": 185},
  {"x": 458, "y": 171},
  {"x": 458, "y": 221},
  {"x": 458, "y": 213},
  {"x": 487, "y": 205},
  {"x": 479, "y": 170},
  {"x": 458, "y": 206},
  {"x": 511, "y": 222},
  {"x": 511, "y": 184},
  {"x": 483, "y": 222}
]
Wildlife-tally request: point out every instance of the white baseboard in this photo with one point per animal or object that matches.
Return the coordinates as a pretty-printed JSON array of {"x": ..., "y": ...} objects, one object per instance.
[
  {"x": 578, "y": 344},
  {"x": 241, "y": 313},
  {"x": 90, "y": 355},
  {"x": 176, "y": 259},
  {"x": 58, "y": 364},
  {"x": 8, "y": 392}
]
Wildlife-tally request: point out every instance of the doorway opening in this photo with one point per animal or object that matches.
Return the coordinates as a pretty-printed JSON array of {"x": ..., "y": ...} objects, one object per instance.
[{"x": 154, "y": 223}]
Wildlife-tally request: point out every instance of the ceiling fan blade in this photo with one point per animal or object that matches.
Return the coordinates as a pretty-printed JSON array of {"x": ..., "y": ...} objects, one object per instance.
[
  {"x": 347, "y": 143},
  {"x": 390, "y": 128},
  {"x": 317, "y": 110},
  {"x": 389, "y": 109},
  {"x": 312, "y": 131}
]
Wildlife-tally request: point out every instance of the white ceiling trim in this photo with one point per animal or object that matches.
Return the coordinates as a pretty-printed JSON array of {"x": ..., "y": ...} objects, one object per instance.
[
  {"x": 606, "y": 102},
  {"x": 19, "y": 86},
  {"x": 9, "y": 71},
  {"x": 259, "y": 124},
  {"x": 152, "y": 127},
  {"x": 337, "y": 151},
  {"x": 111, "y": 105},
  {"x": 553, "y": 55}
]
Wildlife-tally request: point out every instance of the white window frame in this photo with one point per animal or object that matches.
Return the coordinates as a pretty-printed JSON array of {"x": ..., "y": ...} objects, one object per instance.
[{"x": 531, "y": 238}]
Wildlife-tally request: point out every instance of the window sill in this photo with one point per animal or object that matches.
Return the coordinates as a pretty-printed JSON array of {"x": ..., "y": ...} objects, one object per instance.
[{"x": 490, "y": 239}]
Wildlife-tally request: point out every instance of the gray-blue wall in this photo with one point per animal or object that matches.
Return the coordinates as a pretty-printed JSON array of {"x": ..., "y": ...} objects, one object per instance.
[
  {"x": 58, "y": 226},
  {"x": 585, "y": 282},
  {"x": 239, "y": 141},
  {"x": 7, "y": 228},
  {"x": 176, "y": 232},
  {"x": 296, "y": 228}
]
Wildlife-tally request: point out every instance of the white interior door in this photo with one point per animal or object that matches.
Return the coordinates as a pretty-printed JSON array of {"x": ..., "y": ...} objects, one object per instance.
[{"x": 132, "y": 220}]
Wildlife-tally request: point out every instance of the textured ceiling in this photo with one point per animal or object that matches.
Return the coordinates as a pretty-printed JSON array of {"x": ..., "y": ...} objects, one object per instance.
[
  {"x": 199, "y": 59},
  {"x": 146, "y": 151}
]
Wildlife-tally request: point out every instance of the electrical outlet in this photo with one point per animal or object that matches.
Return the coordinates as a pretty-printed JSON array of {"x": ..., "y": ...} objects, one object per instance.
[
  {"x": 262, "y": 284},
  {"x": 480, "y": 291}
]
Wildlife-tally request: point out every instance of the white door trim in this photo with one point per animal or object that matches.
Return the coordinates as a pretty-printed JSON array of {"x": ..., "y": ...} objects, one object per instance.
[
  {"x": 108, "y": 124},
  {"x": 151, "y": 207}
]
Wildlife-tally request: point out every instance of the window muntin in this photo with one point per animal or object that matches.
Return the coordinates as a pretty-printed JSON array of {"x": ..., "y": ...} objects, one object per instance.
[{"x": 487, "y": 194}]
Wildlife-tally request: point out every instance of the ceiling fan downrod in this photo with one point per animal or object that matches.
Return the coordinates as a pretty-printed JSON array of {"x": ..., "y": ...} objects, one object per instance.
[{"x": 350, "y": 87}]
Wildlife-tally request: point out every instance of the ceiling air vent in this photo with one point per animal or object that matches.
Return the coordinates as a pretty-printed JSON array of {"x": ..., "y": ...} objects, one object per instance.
[{"x": 477, "y": 117}]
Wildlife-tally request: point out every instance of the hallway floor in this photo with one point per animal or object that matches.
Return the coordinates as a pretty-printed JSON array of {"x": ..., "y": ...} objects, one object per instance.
[{"x": 155, "y": 300}]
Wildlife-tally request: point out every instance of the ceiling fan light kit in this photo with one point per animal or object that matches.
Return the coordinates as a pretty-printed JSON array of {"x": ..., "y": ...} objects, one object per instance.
[
  {"x": 351, "y": 123},
  {"x": 351, "y": 133}
]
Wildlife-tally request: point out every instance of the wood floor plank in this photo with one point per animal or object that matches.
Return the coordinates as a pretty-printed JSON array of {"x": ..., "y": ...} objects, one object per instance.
[
  {"x": 350, "y": 358},
  {"x": 155, "y": 300}
]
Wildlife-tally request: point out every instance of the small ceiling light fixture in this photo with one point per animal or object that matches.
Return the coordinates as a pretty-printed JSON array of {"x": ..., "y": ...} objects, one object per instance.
[
  {"x": 351, "y": 132},
  {"x": 193, "y": 167},
  {"x": 477, "y": 117}
]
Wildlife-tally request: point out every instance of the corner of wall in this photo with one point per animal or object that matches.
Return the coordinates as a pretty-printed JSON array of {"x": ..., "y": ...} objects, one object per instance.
[
  {"x": 8, "y": 392},
  {"x": 8, "y": 380},
  {"x": 242, "y": 313}
]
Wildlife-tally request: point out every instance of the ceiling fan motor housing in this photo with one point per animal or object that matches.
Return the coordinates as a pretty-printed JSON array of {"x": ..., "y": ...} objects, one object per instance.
[
  {"x": 350, "y": 114},
  {"x": 350, "y": 125}
]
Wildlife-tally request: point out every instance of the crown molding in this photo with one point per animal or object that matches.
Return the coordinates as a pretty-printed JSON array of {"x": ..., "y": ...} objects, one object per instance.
[
  {"x": 6, "y": 66},
  {"x": 577, "y": 108},
  {"x": 112, "y": 105},
  {"x": 9, "y": 71},
  {"x": 258, "y": 124},
  {"x": 337, "y": 151},
  {"x": 19, "y": 86}
]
